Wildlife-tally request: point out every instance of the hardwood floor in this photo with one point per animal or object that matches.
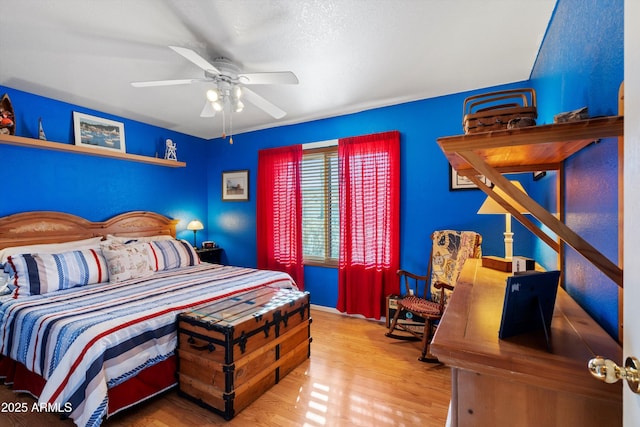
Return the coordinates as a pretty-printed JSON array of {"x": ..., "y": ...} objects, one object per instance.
[{"x": 355, "y": 377}]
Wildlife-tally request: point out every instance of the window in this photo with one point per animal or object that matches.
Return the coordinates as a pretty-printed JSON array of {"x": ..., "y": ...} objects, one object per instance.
[{"x": 320, "y": 200}]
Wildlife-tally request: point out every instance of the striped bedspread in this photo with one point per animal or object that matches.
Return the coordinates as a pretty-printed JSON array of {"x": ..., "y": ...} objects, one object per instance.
[{"x": 83, "y": 341}]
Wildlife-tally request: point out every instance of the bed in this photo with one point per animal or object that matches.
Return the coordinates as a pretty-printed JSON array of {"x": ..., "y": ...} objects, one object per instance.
[{"x": 89, "y": 322}]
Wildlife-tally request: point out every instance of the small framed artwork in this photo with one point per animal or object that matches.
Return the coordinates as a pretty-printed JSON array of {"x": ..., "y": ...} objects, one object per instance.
[
  {"x": 538, "y": 175},
  {"x": 235, "y": 185},
  {"x": 99, "y": 133},
  {"x": 457, "y": 182}
]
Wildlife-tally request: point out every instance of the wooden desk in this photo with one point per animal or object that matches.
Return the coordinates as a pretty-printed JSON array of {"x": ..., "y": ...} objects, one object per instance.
[{"x": 517, "y": 381}]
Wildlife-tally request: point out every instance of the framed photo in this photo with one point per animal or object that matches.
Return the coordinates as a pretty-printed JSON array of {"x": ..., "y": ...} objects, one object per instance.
[
  {"x": 538, "y": 175},
  {"x": 235, "y": 185},
  {"x": 99, "y": 133},
  {"x": 457, "y": 182}
]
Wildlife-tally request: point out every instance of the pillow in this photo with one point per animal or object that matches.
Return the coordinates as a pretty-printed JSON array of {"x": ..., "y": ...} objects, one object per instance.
[
  {"x": 4, "y": 277},
  {"x": 127, "y": 261},
  {"x": 50, "y": 248},
  {"x": 136, "y": 239},
  {"x": 168, "y": 254},
  {"x": 37, "y": 274}
]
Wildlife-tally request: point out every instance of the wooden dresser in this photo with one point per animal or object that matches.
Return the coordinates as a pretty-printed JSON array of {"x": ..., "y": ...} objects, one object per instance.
[{"x": 517, "y": 381}]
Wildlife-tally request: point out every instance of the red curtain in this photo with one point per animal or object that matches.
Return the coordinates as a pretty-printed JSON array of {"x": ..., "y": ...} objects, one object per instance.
[
  {"x": 279, "y": 211},
  {"x": 369, "y": 222}
]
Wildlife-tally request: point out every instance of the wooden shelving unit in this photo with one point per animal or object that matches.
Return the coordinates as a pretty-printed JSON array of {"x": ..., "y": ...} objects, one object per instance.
[
  {"x": 57, "y": 146},
  {"x": 535, "y": 148}
]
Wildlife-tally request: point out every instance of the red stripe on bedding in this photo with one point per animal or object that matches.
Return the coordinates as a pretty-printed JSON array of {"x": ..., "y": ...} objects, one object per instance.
[
  {"x": 95, "y": 257},
  {"x": 64, "y": 382},
  {"x": 155, "y": 256}
]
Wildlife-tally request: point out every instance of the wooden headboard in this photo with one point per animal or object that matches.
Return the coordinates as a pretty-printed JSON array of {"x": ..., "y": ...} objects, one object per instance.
[{"x": 29, "y": 228}]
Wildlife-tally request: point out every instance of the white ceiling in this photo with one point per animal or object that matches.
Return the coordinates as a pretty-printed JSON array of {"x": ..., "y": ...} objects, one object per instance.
[{"x": 349, "y": 55}]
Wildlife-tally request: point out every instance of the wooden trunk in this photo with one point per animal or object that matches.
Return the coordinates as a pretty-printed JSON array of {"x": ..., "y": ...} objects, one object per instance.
[{"x": 232, "y": 351}]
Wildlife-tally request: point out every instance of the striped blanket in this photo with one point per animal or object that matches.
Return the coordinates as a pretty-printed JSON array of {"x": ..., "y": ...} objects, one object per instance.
[{"x": 83, "y": 341}]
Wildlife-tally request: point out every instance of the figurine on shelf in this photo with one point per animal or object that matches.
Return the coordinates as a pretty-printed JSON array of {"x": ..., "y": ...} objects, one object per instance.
[
  {"x": 170, "y": 152},
  {"x": 7, "y": 116},
  {"x": 41, "y": 134}
]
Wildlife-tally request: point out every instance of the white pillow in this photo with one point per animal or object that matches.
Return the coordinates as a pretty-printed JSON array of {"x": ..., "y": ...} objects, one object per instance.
[
  {"x": 50, "y": 248},
  {"x": 136, "y": 239}
]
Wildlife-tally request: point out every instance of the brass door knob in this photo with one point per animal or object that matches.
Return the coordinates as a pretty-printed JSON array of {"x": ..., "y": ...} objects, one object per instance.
[{"x": 607, "y": 371}]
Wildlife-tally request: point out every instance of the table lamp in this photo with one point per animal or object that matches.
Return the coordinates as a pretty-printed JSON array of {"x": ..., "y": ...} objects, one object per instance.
[
  {"x": 490, "y": 206},
  {"x": 195, "y": 225}
]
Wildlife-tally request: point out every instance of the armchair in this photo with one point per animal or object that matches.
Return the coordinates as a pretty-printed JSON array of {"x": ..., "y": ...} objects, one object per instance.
[{"x": 427, "y": 296}]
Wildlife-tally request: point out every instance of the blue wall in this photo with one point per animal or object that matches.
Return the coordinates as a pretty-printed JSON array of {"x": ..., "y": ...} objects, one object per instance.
[
  {"x": 581, "y": 64},
  {"x": 97, "y": 188},
  {"x": 426, "y": 202}
]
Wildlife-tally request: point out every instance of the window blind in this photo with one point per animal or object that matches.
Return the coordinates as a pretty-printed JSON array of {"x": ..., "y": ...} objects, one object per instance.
[{"x": 320, "y": 200}]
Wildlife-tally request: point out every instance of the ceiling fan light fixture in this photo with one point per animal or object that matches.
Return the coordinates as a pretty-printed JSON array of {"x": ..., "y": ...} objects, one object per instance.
[
  {"x": 225, "y": 79},
  {"x": 212, "y": 95}
]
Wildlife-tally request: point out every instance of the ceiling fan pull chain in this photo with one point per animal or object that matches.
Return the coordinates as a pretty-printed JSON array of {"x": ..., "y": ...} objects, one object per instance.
[{"x": 224, "y": 129}]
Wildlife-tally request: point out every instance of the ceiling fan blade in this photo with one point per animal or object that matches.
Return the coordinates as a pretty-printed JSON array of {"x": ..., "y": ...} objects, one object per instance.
[
  {"x": 207, "y": 110},
  {"x": 275, "y": 78},
  {"x": 164, "y": 82},
  {"x": 262, "y": 103},
  {"x": 195, "y": 58}
]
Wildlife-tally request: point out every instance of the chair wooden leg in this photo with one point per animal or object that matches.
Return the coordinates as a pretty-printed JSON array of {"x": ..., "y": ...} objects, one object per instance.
[
  {"x": 392, "y": 327},
  {"x": 426, "y": 355}
]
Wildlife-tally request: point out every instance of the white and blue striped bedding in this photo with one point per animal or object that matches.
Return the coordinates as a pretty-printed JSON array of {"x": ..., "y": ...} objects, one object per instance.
[{"x": 83, "y": 341}]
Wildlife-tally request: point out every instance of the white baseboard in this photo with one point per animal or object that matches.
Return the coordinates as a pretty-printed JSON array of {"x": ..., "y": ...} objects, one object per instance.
[{"x": 335, "y": 311}]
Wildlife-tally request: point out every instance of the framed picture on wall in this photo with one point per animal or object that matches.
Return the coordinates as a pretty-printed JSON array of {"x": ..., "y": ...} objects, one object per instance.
[
  {"x": 98, "y": 133},
  {"x": 538, "y": 175},
  {"x": 235, "y": 185},
  {"x": 458, "y": 182}
]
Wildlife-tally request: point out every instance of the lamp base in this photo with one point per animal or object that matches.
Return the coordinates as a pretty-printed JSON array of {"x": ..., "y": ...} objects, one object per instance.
[{"x": 497, "y": 263}]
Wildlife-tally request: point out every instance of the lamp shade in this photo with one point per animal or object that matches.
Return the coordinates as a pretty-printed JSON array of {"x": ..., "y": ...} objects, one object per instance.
[
  {"x": 195, "y": 225},
  {"x": 490, "y": 206}
]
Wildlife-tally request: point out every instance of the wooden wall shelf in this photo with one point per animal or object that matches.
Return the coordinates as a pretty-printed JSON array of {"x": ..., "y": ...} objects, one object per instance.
[
  {"x": 58, "y": 146},
  {"x": 530, "y": 149}
]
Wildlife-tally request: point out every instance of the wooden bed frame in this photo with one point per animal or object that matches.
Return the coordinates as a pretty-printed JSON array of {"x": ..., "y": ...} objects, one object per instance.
[
  {"x": 38, "y": 227},
  {"x": 30, "y": 228}
]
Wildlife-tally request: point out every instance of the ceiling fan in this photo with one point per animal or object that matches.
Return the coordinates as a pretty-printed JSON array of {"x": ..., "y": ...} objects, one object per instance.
[{"x": 229, "y": 84}]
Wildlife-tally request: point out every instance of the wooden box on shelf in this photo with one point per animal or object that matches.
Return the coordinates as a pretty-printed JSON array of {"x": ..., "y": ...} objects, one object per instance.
[{"x": 497, "y": 263}]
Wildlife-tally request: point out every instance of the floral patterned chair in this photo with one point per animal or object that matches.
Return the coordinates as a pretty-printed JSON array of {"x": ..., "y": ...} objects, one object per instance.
[{"x": 449, "y": 251}]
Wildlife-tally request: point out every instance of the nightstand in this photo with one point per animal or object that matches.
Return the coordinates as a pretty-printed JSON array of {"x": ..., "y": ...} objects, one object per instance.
[{"x": 211, "y": 255}]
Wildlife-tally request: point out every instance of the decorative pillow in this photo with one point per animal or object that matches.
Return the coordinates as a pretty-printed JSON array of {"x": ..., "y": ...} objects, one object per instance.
[
  {"x": 127, "y": 261},
  {"x": 37, "y": 274},
  {"x": 450, "y": 251},
  {"x": 50, "y": 248},
  {"x": 168, "y": 254}
]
